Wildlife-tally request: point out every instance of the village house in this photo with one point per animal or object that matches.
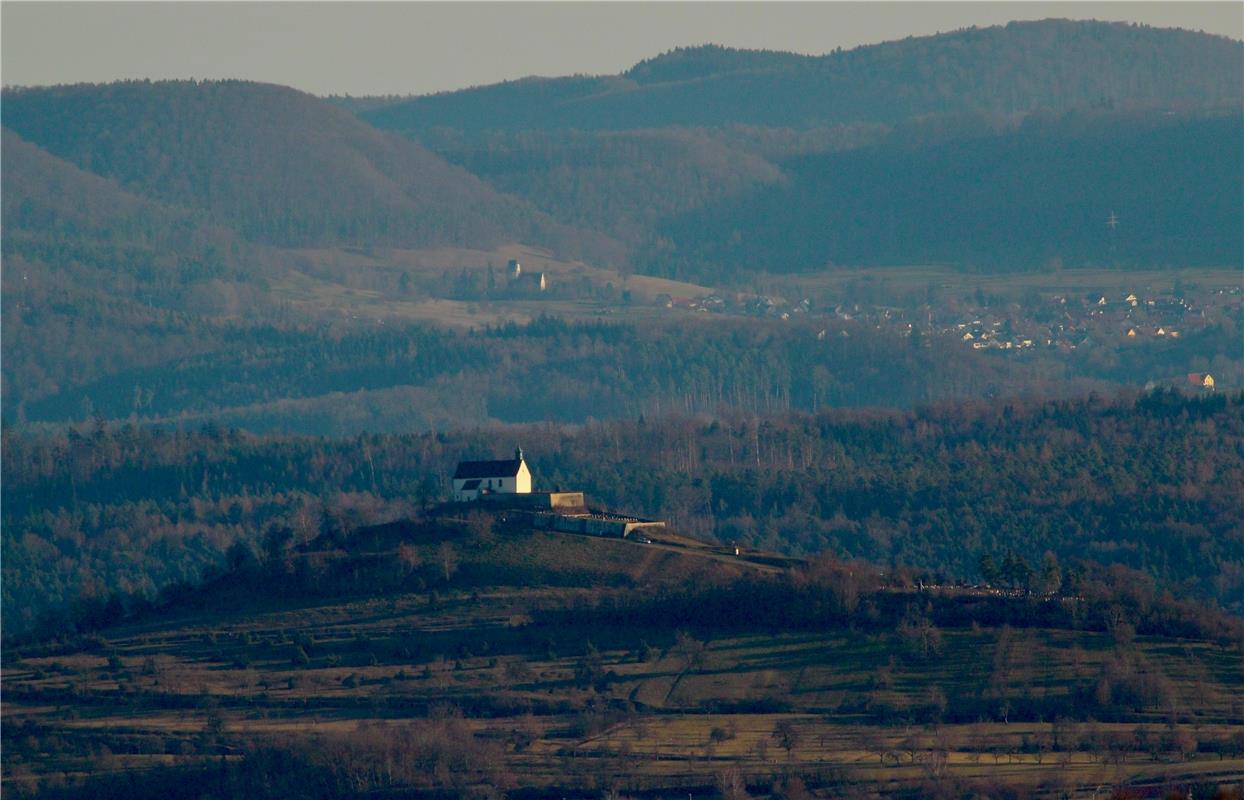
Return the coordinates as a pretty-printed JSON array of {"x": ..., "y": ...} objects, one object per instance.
[
  {"x": 1204, "y": 381},
  {"x": 473, "y": 479}
]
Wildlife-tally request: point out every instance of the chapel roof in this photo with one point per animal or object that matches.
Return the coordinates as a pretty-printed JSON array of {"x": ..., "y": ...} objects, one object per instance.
[{"x": 506, "y": 468}]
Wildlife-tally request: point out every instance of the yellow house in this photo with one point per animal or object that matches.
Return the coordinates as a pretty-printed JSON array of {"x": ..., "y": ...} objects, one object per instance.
[
  {"x": 1208, "y": 381},
  {"x": 1131, "y": 333}
]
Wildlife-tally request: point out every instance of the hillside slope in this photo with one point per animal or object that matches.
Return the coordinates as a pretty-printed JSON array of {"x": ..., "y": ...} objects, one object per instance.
[
  {"x": 999, "y": 201},
  {"x": 280, "y": 166},
  {"x": 621, "y": 182},
  {"x": 1149, "y": 482},
  {"x": 50, "y": 198},
  {"x": 98, "y": 278},
  {"x": 442, "y": 663},
  {"x": 1023, "y": 66}
]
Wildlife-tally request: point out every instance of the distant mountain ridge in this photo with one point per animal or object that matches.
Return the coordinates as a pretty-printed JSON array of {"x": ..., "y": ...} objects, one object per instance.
[
  {"x": 279, "y": 166},
  {"x": 711, "y": 161},
  {"x": 1010, "y": 200},
  {"x": 1023, "y": 66},
  {"x": 185, "y": 250},
  {"x": 690, "y": 63}
]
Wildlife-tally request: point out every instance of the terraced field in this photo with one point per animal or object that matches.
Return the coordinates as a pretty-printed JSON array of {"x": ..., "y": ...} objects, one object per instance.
[{"x": 490, "y": 690}]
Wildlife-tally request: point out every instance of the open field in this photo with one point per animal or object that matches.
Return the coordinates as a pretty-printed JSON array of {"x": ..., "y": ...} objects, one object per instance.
[
  {"x": 363, "y": 286},
  {"x": 418, "y": 285},
  {"x": 563, "y": 709}
]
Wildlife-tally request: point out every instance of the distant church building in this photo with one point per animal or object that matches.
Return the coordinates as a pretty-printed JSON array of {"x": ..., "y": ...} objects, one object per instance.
[
  {"x": 530, "y": 283},
  {"x": 508, "y": 476},
  {"x": 524, "y": 283}
]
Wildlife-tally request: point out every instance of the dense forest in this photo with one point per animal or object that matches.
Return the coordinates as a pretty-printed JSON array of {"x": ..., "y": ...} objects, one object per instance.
[
  {"x": 1147, "y": 481},
  {"x": 1020, "y": 200},
  {"x": 279, "y": 166},
  {"x": 973, "y": 191},
  {"x": 319, "y": 379},
  {"x": 1020, "y": 67},
  {"x": 690, "y": 158},
  {"x": 416, "y": 379}
]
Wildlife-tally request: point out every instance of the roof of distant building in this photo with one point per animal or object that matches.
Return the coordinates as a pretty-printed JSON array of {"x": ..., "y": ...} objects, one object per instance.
[{"x": 506, "y": 468}]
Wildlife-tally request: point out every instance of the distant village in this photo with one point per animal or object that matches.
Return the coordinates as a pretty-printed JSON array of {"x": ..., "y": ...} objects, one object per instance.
[{"x": 1063, "y": 322}]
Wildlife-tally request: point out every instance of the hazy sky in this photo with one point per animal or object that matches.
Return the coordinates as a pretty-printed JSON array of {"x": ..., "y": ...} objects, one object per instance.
[{"x": 414, "y": 48}]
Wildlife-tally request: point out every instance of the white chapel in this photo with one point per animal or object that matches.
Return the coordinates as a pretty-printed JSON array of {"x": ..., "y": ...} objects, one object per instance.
[{"x": 475, "y": 478}]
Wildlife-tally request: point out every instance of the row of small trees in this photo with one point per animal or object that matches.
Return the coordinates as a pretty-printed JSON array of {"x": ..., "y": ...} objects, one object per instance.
[{"x": 1016, "y": 573}]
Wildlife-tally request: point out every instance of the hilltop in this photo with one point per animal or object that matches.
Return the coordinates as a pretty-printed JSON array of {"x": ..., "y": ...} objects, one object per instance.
[
  {"x": 713, "y": 164},
  {"x": 218, "y": 614},
  {"x": 279, "y": 166},
  {"x": 1023, "y": 66},
  {"x": 1146, "y": 481},
  {"x": 426, "y": 657}
]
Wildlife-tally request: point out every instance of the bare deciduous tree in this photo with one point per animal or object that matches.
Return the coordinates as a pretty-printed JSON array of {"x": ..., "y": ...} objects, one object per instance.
[{"x": 447, "y": 558}]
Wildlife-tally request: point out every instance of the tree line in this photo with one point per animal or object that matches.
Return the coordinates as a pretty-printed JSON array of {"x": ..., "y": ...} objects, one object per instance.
[{"x": 1144, "y": 480}]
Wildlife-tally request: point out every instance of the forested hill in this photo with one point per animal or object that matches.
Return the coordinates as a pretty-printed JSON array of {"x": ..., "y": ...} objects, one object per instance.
[
  {"x": 996, "y": 149},
  {"x": 1024, "y": 66},
  {"x": 1150, "y": 481},
  {"x": 1019, "y": 199},
  {"x": 277, "y": 165},
  {"x": 47, "y": 199}
]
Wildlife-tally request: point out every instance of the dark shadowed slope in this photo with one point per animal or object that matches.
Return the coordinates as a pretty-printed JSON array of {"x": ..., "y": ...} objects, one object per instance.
[
  {"x": 621, "y": 182},
  {"x": 1021, "y": 199},
  {"x": 1053, "y": 64},
  {"x": 280, "y": 166}
]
